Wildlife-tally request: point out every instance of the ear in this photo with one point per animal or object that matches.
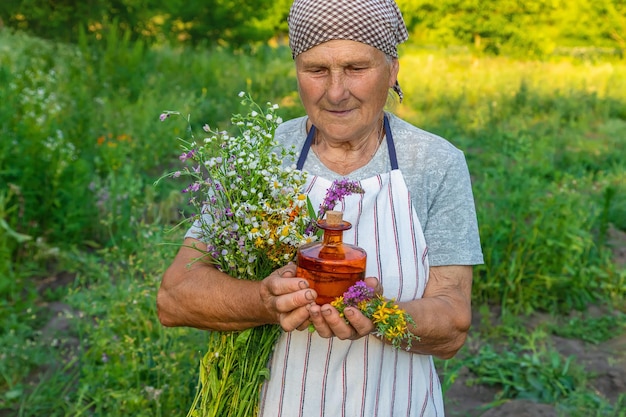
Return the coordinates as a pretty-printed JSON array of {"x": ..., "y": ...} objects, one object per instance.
[{"x": 394, "y": 68}]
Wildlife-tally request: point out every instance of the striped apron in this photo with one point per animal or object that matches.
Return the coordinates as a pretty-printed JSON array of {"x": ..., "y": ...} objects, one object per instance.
[{"x": 313, "y": 376}]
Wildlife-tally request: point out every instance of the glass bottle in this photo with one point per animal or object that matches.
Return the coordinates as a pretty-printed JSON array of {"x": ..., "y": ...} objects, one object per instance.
[{"x": 331, "y": 266}]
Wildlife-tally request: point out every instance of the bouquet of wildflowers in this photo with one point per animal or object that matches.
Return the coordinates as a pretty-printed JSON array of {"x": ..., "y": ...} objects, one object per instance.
[
  {"x": 390, "y": 320},
  {"x": 251, "y": 213}
]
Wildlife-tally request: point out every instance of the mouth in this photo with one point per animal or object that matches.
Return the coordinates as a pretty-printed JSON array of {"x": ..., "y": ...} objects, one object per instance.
[{"x": 339, "y": 112}]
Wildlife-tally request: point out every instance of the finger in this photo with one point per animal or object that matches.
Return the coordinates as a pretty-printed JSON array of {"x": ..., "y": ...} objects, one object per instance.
[
  {"x": 335, "y": 324},
  {"x": 317, "y": 319},
  {"x": 374, "y": 283},
  {"x": 361, "y": 324},
  {"x": 287, "y": 271},
  {"x": 279, "y": 286},
  {"x": 291, "y": 301},
  {"x": 296, "y": 319},
  {"x": 304, "y": 326}
]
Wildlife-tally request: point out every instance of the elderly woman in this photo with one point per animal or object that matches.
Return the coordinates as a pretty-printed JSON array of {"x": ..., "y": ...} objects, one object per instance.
[{"x": 416, "y": 220}]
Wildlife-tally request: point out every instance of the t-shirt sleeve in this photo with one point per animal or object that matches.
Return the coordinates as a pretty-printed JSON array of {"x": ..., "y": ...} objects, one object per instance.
[
  {"x": 195, "y": 230},
  {"x": 451, "y": 228}
]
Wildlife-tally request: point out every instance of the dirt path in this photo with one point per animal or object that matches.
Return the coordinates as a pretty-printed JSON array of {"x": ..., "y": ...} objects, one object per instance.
[{"x": 605, "y": 363}]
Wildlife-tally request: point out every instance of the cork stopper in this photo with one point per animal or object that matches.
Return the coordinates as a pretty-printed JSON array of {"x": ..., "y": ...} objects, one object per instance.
[{"x": 334, "y": 218}]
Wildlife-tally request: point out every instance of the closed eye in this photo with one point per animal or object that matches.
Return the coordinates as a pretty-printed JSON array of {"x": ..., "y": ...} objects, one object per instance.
[
  {"x": 355, "y": 69},
  {"x": 317, "y": 70}
]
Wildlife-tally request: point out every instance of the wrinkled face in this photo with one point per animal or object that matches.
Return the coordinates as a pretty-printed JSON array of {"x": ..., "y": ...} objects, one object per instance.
[{"x": 343, "y": 85}]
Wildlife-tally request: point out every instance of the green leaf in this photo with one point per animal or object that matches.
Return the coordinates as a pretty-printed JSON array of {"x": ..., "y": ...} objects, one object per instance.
[{"x": 21, "y": 238}]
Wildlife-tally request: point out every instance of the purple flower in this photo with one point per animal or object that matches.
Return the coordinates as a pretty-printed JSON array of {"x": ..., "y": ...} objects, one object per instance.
[
  {"x": 164, "y": 116},
  {"x": 357, "y": 293},
  {"x": 186, "y": 155},
  {"x": 337, "y": 192},
  {"x": 192, "y": 188}
]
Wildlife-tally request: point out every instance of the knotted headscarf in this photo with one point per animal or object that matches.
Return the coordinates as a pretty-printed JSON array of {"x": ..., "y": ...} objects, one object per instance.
[{"x": 377, "y": 23}]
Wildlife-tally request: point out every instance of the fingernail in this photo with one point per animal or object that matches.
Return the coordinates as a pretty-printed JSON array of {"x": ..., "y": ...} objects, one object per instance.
[
  {"x": 309, "y": 295},
  {"x": 348, "y": 312},
  {"x": 303, "y": 284},
  {"x": 326, "y": 312}
]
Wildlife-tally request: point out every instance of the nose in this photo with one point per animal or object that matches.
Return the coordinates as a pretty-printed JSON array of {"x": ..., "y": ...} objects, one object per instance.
[{"x": 337, "y": 87}]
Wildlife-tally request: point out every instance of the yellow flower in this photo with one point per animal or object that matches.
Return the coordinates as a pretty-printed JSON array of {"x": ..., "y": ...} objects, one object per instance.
[
  {"x": 337, "y": 302},
  {"x": 394, "y": 332},
  {"x": 382, "y": 313}
]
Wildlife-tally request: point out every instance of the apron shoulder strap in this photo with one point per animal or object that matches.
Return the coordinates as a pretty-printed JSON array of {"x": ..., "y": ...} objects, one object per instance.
[
  {"x": 305, "y": 148},
  {"x": 391, "y": 147},
  {"x": 393, "y": 158}
]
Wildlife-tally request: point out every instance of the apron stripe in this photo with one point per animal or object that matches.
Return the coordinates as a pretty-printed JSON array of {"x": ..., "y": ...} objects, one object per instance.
[
  {"x": 285, "y": 362},
  {"x": 378, "y": 388},
  {"x": 365, "y": 366},
  {"x": 376, "y": 240},
  {"x": 431, "y": 386},
  {"x": 311, "y": 185},
  {"x": 305, "y": 374},
  {"x": 414, "y": 247},
  {"x": 410, "y": 396},
  {"x": 355, "y": 227},
  {"x": 396, "y": 239},
  {"x": 395, "y": 380}
]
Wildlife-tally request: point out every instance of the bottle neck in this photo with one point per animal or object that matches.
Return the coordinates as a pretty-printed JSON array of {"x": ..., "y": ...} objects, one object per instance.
[{"x": 333, "y": 237}]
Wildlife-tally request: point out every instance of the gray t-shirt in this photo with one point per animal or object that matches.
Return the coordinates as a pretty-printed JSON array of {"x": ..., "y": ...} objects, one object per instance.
[{"x": 436, "y": 175}]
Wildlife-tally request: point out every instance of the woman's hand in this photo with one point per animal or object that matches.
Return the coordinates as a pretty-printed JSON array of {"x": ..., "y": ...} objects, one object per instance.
[
  {"x": 196, "y": 294},
  {"x": 288, "y": 297},
  {"x": 328, "y": 323}
]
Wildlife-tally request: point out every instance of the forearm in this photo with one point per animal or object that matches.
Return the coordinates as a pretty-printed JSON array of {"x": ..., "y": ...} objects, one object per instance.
[
  {"x": 441, "y": 330},
  {"x": 443, "y": 316},
  {"x": 196, "y": 294}
]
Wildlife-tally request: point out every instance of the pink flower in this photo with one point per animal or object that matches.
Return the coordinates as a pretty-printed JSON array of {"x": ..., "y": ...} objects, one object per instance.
[
  {"x": 337, "y": 192},
  {"x": 357, "y": 293}
]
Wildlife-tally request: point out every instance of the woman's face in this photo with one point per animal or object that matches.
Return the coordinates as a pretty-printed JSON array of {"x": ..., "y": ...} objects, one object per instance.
[{"x": 343, "y": 86}]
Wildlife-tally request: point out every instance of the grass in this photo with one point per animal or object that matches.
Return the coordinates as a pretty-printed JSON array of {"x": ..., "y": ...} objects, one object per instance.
[{"x": 82, "y": 146}]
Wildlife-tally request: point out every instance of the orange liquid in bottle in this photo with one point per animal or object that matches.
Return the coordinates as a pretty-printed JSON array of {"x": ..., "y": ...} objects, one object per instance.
[{"x": 331, "y": 266}]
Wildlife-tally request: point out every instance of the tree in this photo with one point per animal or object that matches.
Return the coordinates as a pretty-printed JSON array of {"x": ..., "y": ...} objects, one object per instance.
[{"x": 187, "y": 21}]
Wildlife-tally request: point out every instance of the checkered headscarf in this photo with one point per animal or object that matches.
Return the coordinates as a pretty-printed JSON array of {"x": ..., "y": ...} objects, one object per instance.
[{"x": 377, "y": 23}]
